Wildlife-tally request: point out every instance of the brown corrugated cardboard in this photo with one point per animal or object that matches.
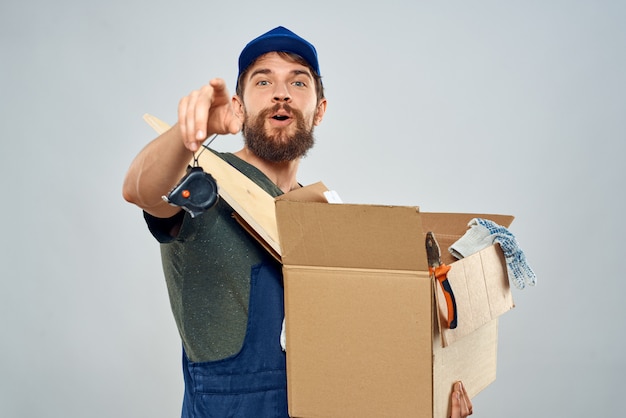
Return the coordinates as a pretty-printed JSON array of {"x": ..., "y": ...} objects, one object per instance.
[{"x": 361, "y": 318}]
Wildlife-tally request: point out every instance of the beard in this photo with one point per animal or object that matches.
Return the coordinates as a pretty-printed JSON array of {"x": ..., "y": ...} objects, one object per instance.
[{"x": 278, "y": 147}]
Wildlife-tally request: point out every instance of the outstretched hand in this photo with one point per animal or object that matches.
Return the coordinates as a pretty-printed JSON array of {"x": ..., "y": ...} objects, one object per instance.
[
  {"x": 461, "y": 403},
  {"x": 205, "y": 112}
]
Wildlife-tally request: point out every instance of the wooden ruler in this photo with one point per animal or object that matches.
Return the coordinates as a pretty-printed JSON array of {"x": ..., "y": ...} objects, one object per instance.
[{"x": 252, "y": 204}]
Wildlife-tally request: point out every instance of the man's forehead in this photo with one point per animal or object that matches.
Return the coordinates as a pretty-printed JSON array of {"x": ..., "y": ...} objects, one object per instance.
[{"x": 274, "y": 62}]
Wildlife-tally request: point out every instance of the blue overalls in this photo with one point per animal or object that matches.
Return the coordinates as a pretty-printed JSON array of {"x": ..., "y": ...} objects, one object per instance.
[{"x": 253, "y": 382}]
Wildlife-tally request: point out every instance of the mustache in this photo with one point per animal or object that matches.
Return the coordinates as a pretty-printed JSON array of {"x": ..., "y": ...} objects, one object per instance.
[
  {"x": 269, "y": 111},
  {"x": 277, "y": 107}
]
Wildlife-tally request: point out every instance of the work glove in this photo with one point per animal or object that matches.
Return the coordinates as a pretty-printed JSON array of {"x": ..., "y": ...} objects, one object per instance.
[{"x": 483, "y": 233}]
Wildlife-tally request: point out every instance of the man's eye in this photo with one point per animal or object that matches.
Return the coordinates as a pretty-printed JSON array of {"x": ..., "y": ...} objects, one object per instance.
[
  {"x": 262, "y": 83},
  {"x": 299, "y": 83}
]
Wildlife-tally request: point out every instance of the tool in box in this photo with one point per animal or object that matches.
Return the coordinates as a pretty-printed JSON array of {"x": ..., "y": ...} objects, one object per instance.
[{"x": 439, "y": 271}]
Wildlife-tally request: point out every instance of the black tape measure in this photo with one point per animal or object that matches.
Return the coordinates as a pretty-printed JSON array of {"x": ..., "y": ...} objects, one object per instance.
[{"x": 196, "y": 192}]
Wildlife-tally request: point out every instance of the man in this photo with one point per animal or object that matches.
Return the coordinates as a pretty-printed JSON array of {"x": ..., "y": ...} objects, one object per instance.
[{"x": 225, "y": 289}]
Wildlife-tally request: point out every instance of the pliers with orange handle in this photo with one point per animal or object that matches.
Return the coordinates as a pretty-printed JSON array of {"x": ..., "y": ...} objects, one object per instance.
[{"x": 439, "y": 271}]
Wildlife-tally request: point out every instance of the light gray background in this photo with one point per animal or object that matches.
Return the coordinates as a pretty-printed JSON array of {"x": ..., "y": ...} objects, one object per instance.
[{"x": 469, "y": 106}]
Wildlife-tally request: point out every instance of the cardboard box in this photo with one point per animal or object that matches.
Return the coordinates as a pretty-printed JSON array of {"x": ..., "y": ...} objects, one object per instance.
[{"x": 362, "y": 317}]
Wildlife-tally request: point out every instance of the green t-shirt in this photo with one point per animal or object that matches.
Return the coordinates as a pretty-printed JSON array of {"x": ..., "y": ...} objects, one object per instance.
[{"x": 207, "y": 270}]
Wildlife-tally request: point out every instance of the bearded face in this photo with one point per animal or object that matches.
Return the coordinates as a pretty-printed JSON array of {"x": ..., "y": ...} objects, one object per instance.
[{"x": 278, "y": 144}]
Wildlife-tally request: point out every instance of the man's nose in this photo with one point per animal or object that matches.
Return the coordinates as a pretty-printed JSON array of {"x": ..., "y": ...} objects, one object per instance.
[{"x": 281, "y": 94}]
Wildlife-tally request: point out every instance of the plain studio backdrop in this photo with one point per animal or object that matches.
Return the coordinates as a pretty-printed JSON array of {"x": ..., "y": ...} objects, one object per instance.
[{"x": 461, "y": 106}]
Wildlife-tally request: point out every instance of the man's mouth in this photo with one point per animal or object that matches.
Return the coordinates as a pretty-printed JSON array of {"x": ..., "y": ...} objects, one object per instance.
[{"x": 281, "y": 112}]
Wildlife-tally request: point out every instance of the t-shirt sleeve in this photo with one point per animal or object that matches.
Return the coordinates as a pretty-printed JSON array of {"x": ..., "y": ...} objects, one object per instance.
[{"x": 161, "y": 228}]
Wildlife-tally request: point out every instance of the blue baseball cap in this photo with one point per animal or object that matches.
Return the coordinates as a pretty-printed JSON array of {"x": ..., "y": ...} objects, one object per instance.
[{"x": 279, "y": 39}]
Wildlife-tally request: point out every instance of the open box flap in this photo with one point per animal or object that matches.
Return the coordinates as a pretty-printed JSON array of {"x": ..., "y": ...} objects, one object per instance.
[
  {"x": 481, "y": 289},
  {"x": 449, "y": 227},
  {"x": 480, "y": 281},
  {"x": 311, "y": 193},
  {"x": 351, "y": 236},
  {"x": 315, "y": 233}
]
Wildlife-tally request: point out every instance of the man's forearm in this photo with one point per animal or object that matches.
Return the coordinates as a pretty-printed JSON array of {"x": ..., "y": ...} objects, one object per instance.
[{"x": 155, "y": 170}]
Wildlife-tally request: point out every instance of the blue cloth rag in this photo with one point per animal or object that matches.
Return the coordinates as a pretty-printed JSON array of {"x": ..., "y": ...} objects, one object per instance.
[{"x": 483, "y": 233}]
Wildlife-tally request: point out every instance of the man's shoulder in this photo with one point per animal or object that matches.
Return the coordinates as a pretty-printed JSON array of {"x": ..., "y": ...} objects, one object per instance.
[{"x": 249, "y": 171}]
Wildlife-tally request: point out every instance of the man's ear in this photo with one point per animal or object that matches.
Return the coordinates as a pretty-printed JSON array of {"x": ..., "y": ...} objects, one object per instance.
[
  {"x": 238, "y": 108},
  {"x": 319, "y": 113}
]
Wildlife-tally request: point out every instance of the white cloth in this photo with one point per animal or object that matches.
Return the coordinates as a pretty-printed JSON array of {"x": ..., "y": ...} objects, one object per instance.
[{"x": 283, "y": 337}]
